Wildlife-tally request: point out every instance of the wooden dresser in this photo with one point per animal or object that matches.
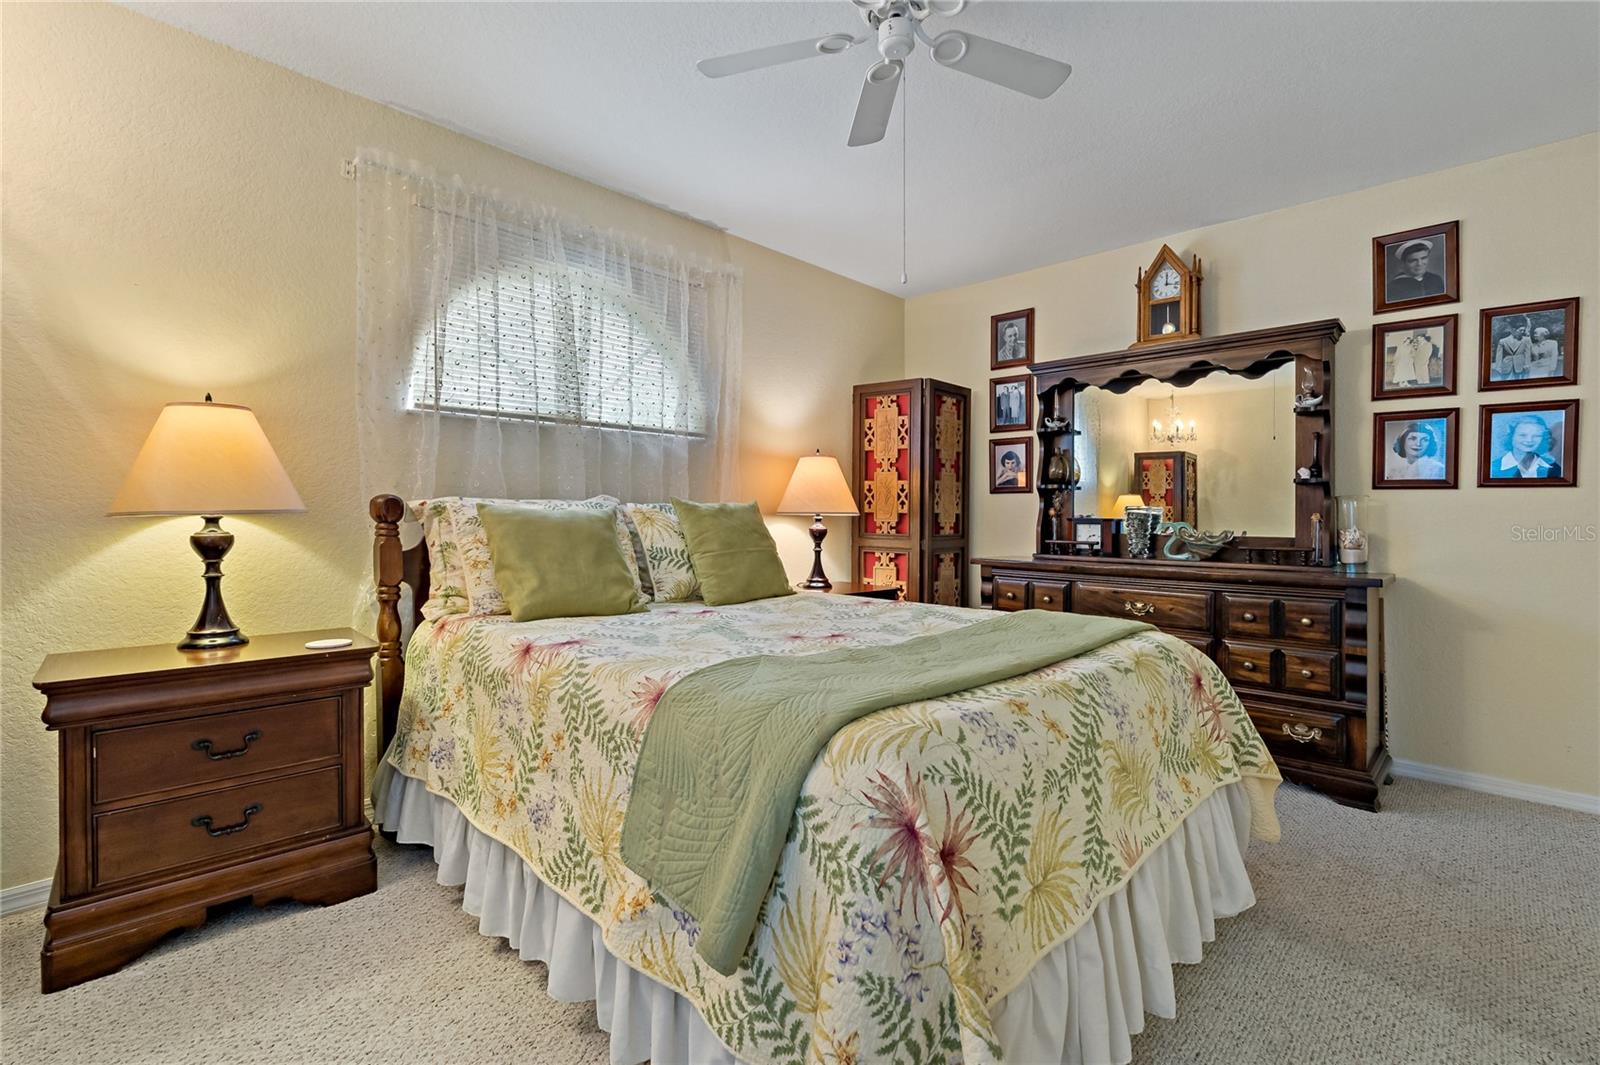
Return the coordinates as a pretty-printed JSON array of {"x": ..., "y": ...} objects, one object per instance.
[
  {"x": 194, "y": 778},
  {"x": 1303, "y": 646}
]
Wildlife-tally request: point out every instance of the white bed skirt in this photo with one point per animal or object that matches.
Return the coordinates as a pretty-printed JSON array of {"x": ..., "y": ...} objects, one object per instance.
[{"x": 1081, "y": 1004}]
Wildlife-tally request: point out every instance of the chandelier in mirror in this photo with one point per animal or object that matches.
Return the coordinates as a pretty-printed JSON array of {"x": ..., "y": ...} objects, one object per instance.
[{"x": 1176, "y": 431}]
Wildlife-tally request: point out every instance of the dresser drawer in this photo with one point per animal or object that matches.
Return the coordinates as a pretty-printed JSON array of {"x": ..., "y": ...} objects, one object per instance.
[
  {"x": 164, "y": 835},
  {"x": 1305, "y": 734},
  {"x": 1246, "y": 663},
  {"x": 1246, "y": 616},
  {"x": 1049, "y": 595},
  {"x": 1010, "y": 594},
  {"x": 150, "y": 758},
  {"x": 1311, "y": 621},
  {"x": 1313, "y": 672},
  {"x": 1169, "y": 610}
]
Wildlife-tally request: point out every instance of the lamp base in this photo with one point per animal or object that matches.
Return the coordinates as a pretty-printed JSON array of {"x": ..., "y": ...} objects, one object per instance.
[
  {"x": 213, "y": 628},
  {"x": 818, "y": 581}
]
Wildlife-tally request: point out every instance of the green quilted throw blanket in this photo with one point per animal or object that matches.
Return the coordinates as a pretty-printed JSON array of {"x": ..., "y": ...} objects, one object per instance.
[{"x": 729, "y": 747}]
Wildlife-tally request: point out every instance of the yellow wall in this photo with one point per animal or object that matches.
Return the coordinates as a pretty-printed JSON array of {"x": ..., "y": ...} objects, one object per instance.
[
  {"x": 176, "y": 222},
  {"x": 1494, "y": 640}
]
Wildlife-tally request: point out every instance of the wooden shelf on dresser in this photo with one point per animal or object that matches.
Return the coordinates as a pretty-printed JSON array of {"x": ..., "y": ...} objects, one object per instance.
[{"x": 1302, "y": 645}]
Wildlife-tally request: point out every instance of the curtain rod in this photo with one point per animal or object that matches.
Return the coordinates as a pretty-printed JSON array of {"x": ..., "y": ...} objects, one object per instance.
[{"x": 350, "y": 167}]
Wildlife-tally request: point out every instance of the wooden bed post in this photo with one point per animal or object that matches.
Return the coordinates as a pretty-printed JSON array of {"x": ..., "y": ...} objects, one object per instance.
[{"x": 388, "y": 572}]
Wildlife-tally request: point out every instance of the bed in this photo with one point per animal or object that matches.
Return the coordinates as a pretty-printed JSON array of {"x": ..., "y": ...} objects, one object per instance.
[{"x": 1005, "y": 873}]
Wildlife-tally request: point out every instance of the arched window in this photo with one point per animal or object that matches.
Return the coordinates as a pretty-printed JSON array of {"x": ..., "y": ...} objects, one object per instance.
[{"x": 619, "y": 348}]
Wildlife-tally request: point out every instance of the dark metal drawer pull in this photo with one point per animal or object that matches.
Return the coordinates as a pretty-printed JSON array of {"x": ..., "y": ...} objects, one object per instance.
[
  {"x": 204, "y": 747},
  {"x": 228, "y": 830}
]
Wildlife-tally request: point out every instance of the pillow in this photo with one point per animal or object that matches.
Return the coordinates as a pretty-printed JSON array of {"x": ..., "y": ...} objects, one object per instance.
[
  {"x": 732, "y": 552},
  {"x": 446, "y": 592},
  {"x": 666, "y": 552},
  {"x": 558, "y": 562},
  {"x": 466, "y": 544}
]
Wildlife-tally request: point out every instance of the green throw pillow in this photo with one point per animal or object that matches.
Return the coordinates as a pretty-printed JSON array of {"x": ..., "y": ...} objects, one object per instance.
[
  {"x": 732, "y": 552},
  {"x": 558, "y": 563}
]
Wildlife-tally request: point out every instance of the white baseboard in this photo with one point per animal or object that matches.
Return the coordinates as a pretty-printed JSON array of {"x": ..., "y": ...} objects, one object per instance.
[
  {"x": 24, "y": 897},
  {"x": 1511, "y": 789}
]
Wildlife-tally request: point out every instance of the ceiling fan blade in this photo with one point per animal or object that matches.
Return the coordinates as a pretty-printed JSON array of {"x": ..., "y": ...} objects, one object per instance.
[
  {"x": 1022, "y": 71},
  {"x": 876, "y": 103},
  {"x": 773, "y": 55}
]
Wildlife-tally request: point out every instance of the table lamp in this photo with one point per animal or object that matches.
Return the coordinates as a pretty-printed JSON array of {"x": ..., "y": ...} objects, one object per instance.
[
  {"x": 207, "y": 459},
  {"x": 818, "y": 488},
  {"x": 1119, "y": 509}
]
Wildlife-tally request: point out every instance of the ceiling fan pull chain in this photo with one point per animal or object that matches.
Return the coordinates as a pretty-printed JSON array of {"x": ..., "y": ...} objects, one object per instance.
[{"x": 905, "y": 120}]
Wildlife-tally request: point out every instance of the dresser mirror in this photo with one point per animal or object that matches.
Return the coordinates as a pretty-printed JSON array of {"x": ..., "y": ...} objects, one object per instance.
[
  {"x": 1252, "y": 451},
  {"x": 1239, "y": 430}
]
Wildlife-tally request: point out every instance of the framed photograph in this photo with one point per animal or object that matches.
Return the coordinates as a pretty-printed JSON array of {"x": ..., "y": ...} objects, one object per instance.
[
  {"x": 1528, "y": 345},
  {"x": 1011, "y": 464},
  {"x": 1416, "y": 268},
  {"x": 1415, "y": 358},
  {"x": 1416, "y": 448},
  {"x": 1011, "y": 340},
  {"x": 1528, "y": 445},
  {"x": 1011, "y": 403}
]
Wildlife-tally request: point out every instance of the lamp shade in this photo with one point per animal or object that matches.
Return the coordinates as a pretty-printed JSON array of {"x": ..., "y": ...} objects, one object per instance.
[
  {"x": 818, "y": 487},
  {"x": 1119, "y": 509},
  {"x": 206, "y": 459}
]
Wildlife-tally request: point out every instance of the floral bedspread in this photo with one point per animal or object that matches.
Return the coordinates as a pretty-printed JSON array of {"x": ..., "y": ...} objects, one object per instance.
[{"x": 938, "y": 850}]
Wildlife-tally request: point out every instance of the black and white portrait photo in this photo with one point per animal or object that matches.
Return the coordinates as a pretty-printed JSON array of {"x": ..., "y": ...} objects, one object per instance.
[
  {"x": 1011, "y": 339},
  {"x": 1010, "y": 403},
  {"x": 1528, "y": 445},
  {"x": 1415, "y": 268},
  {"x": 1415, "y": 358},
  {"x": 1010, "y": 460},
  {"x": 1415, "y": 449},
  {"x": 1529, "y": 345}
]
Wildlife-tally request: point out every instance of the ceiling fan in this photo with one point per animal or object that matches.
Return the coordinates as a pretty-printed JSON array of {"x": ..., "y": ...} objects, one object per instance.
[{"x": 898, "y": 27}]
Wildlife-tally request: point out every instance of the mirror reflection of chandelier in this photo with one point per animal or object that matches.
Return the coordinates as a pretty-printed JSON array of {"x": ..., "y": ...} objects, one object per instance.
[{"x": 1176, "y": 431}]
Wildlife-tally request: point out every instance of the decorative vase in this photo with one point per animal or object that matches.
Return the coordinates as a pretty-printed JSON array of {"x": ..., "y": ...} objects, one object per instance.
[
  {"x": 1351, "y": 539},
  {"x": 1138, "y": 525},
  {"x": 1055, "y": 471}
]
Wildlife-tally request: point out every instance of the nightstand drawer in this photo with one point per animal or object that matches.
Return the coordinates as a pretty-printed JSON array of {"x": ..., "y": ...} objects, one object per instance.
[
  {"x": 203, "y": 828},
  {"x": 151, "y": 758}
]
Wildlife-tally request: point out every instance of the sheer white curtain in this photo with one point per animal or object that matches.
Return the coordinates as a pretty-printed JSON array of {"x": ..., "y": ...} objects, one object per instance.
[{"x": 507, "y": 350}]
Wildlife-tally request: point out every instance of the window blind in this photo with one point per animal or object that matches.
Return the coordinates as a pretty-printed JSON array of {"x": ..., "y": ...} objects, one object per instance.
[{"x": 545, "y": 333}]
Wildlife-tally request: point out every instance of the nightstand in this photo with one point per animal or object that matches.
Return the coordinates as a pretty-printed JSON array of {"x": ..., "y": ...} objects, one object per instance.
[
  {"x": 192, "y": 778},
  {"x": 862, "y": 591}
]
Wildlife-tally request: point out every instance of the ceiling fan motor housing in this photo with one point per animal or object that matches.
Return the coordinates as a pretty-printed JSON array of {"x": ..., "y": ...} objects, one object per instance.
[{"x": 895, "y": 37}]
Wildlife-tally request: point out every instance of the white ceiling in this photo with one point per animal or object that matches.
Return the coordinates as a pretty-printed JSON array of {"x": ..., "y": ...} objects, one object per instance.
[{"x": 1176, "y": 115}]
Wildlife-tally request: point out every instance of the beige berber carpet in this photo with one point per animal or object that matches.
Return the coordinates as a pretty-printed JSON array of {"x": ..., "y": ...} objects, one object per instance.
[{"x": 1452, "y": 927}]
